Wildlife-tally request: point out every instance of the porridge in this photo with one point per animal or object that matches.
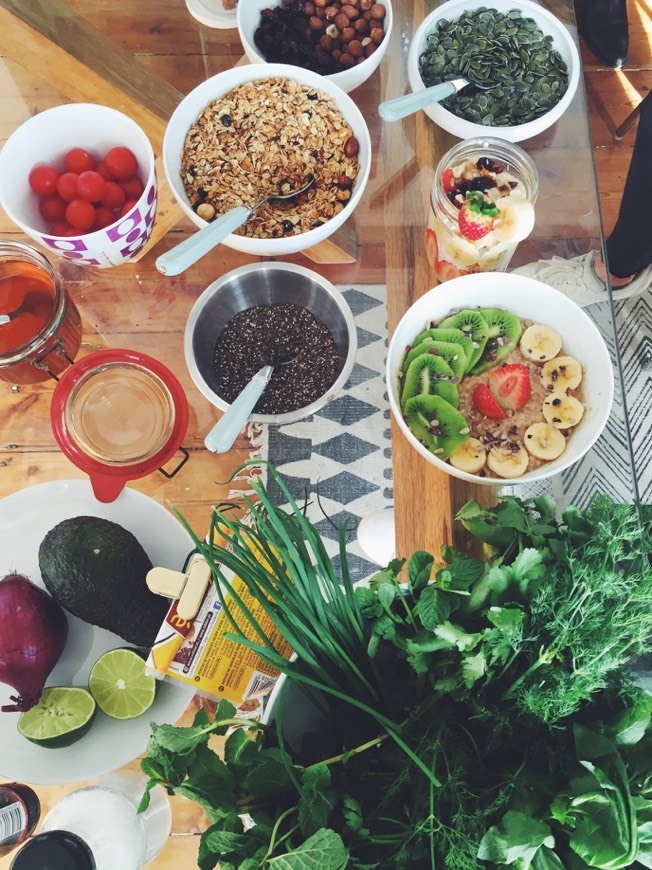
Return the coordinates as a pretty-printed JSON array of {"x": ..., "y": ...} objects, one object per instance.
[
  {"x": 266, "y": 137},
  {"x": 491, "y": 394}
]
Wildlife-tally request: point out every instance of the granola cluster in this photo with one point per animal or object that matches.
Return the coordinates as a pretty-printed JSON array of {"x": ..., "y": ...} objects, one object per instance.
[{"x": 266, "y": 137}]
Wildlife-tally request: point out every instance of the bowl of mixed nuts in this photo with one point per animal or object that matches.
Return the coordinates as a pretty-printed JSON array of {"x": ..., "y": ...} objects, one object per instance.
[
  {"x": 344, "y": 40},
  {"x": 521, "y": 51},
  {"x": 262, "y": 130}
]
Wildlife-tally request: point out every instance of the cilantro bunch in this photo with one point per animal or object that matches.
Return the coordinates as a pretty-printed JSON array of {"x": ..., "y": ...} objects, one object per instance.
[{"x": 470, "y": 713}]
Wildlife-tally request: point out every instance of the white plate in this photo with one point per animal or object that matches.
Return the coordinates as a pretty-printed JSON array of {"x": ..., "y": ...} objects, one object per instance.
[
  {"x": 25, "y": 518},
  {"x": 208, "y": 12}
]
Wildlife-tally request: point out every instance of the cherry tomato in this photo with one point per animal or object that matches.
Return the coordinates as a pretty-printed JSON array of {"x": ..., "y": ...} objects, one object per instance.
[
  {"x": 103, "y": 171},
  {"x": 53, "y": 208},
  {"x": 120, "y": 162},
  {"x": 132, "y": 186},
  {"x": 448, "y": 179},
  {"x": 103, "y": 217},
  {"x": 67, "y": 186},
  {"x": 60, "y": 228},
  {"x": 91, "y": 186},
  {"x": 80, "y": 214},
  {"x": 127, "y": 207},
  {"x": 114, "y": 196},
  {"x": 77, "y": 160},
  {"x": 43, "y": 180}
]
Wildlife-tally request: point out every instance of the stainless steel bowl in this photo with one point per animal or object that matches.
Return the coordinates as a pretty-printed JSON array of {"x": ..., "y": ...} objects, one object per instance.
[{"x": 266, "y": 284}]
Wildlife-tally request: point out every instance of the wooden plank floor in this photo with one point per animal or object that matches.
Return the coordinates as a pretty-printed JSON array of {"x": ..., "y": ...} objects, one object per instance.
[{"x": 612, "y": 95}]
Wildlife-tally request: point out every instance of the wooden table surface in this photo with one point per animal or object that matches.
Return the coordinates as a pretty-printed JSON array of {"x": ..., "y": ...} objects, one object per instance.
[{"x": 133, "y": 306}]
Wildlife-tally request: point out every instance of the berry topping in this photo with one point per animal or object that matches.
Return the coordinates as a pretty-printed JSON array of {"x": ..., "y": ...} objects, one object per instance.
[
  {"x": 477, "y": 215},
  {"x": 510, "y": 384},
  {"x": 486, "y": 403}
]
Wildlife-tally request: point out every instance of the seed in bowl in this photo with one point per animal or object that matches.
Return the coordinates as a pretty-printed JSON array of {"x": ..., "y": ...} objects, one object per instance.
[
  {"x": 488, "y": 395},
  {"x": 505, "y": 49},
  {"x": 266, "y": 137}
]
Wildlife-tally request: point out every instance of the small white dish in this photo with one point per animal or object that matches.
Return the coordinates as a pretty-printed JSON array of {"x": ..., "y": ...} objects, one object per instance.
[
  {"x": 212, "y": 14},
  {"x": 377, "y": 536}
]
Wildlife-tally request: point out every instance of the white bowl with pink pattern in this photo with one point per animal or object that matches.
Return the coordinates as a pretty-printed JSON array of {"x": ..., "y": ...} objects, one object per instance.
[{"x": 45, "y": 138}]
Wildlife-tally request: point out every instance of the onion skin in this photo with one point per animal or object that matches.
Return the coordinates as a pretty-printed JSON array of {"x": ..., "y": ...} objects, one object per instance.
[{"x": 33, "y": 634}]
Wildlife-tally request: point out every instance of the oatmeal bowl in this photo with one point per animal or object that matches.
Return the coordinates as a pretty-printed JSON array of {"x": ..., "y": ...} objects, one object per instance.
[
  {"x": 260, "y": 130},
  {"x": 499, "y": 378}
]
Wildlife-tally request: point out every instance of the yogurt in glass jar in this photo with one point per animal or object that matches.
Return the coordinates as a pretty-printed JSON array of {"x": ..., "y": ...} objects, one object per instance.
[{"x": 481, "y": 206}]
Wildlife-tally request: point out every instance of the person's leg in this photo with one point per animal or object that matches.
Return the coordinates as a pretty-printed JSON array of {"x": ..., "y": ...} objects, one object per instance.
[{"x": 629, "y": 246}]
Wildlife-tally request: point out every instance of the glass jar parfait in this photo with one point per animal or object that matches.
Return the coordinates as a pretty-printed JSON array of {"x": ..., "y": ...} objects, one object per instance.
[{"x": 481, "y": 206}]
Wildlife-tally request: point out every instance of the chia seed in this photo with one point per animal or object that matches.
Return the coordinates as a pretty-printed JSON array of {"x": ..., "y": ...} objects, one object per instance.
[{"x": 265, "y": 334}]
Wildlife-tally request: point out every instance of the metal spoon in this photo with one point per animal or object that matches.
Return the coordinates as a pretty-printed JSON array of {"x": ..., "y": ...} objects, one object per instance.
[
  {"x": 225, "y": 431},
  {"x": 179, "y": 258},
  {"x": 25, "y": 307},
  {"x": 401, "y": 107}
]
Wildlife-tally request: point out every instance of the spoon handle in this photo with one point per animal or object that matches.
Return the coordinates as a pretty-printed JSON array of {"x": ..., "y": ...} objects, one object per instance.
[
  {"x": 183, "y": 255},
  {"x": 225, "y": 431},
  {"x": 400, "y": 107}
]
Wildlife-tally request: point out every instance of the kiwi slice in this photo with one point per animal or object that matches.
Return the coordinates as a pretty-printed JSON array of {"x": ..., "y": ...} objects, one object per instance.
[
  {"x": 429, "y": 374},
  {"x": 503, "y": 333},
  {"x": 471, "y": 324},
  {"x": 456, "y": 336},
  {"x": 436, "y": 424},
  {"x": 424, "y": 346}
]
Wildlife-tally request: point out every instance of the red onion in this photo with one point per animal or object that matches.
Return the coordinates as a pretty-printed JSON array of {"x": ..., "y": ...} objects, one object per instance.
[{"x": 33, "y": 632}]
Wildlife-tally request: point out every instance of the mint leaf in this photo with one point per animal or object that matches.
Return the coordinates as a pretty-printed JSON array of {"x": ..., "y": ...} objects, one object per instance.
[
  {"x": 433, "y": 608},
  {"x": 211, "y": 779},
  {"x": 317, "y": 799},
  {"x": 465, "y": 572},
  {"x": 419, "y": 570},
  {"x": 325, "y": 850},
  {"x": 515, "y": 840},
  {"x": 270, "y": 775},
  {"x": 630, "y": 727},
  {"x": 368, "y": 602},
  {"x": 202, "y": 719},
  {"x": 225, "y": 710},
  {"x": 240, "y": 751},
  {"x": 225, "y": 836},
  {"x": 178, "y": 741}
]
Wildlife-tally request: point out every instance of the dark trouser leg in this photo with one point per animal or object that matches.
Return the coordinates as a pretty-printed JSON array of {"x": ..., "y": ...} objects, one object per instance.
[{"x": 629, "y": 247}]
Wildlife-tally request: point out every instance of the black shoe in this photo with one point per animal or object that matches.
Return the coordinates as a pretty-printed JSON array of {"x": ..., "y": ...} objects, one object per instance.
[{"x": 605, "y": 31}]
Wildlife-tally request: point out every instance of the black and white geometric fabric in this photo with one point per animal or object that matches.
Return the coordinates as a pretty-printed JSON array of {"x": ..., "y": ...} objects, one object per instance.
[{"x": 341, "y": 456}]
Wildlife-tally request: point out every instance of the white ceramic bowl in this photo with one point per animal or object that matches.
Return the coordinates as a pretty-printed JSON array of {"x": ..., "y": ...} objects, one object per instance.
[
  {"x": 196, "y": 101},
  {"x": 546, "y": 22},
  {"x": 249, "y": 18},
  {"x": 45, "y": 138},
  {"x": 531, "y": 300}
]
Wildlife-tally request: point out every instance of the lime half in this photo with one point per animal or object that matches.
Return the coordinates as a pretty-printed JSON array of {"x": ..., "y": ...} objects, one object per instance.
[
  {"x": 120, "y": 686},
  {"x": 63, "y": 715}
]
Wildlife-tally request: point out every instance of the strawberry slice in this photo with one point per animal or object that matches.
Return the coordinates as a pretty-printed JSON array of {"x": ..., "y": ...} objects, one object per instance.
[
  {"x": 485, "y": 401},
  {"x": 477, "y": 215},
  {"x": 448, "y": 180},
  {"x": 510, "y": 385}
]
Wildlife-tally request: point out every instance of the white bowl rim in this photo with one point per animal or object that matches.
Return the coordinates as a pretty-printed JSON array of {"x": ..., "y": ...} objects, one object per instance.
[
  {"x": 468, "y": 129},
  {"x": 252, "y": 72},
  {"x": 299, "y": 413},
  {"x": 337, "y": 77},
  {"x": 453, "y": 292}
]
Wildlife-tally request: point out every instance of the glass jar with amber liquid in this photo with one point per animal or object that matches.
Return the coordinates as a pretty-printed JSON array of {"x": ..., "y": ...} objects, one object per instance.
[
  {"x": 20, "y": 810},
  {"x": 40, "y": 326}
]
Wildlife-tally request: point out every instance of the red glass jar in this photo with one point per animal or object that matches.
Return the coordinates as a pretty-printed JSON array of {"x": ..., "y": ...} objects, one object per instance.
[{"x": 40, "y": 326}]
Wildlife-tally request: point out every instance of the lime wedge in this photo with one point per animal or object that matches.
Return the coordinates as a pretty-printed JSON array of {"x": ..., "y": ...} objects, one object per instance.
[
  {"x": 120, "y": 686},
  {"x": 62, "y": 715}
]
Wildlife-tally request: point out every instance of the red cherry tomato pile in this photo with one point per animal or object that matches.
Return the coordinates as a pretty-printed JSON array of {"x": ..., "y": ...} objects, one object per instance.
[{"x": 86, "y": 194}]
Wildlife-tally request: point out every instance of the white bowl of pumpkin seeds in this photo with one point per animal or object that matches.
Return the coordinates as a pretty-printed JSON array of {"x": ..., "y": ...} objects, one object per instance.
[{"x": 526, "y": 53}]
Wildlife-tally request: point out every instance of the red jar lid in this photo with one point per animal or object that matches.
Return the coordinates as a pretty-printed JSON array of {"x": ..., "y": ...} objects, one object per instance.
[{"x": 118, "y": 415}]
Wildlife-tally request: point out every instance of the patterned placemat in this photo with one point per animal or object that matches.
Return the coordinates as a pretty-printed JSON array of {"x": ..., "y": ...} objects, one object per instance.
[{"x": 341, "y": 456}]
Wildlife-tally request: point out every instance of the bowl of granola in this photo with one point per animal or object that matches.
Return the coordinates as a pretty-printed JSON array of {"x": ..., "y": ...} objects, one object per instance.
[
  {"x": 261, "y": 129},
  {"x": 496, "y": 377}
]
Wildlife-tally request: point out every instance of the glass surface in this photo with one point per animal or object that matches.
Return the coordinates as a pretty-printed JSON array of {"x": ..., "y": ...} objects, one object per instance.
[{"x": 142, "y": 58}]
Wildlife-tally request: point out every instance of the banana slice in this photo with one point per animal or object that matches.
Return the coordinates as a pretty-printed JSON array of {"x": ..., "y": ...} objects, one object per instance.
[
  {"x": 457, "y": 250},
  {"x": 540, "y": 343},
  {"x": 505, "y": 463},
  {"x": 470, "y": 457},
  {"x": 561, "y": 373},
  {"x": 562, "y": 411},
  {"x": 515, "y": 221},
  {"x": 544, "y": 441}
]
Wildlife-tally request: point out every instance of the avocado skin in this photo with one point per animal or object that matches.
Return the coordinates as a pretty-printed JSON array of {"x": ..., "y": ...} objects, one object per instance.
[{"x": 96, "y": 570}]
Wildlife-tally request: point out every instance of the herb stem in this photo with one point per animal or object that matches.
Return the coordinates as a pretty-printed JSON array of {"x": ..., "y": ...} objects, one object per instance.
[{"x": 277, "y": 825}]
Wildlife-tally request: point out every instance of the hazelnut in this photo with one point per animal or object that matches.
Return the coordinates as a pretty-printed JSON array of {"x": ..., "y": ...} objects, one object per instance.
[
  {"x": 331, "y": 12},
  {"x": 370, "y": 48},
  {"x": 326, "y": 42},
  {"x": 344, "y": 193},
  {"x": 336, "y": 54},
  {"x": 377, "y": 35},
  {"x": 365, "y": 5},
  {"x": 344, "y": 181},
  {"x": 359, "y": 60},
  {"x": 347, "y": 34},
  {"x": 320, "y": 13},
  {"x": 360, "y": 25},
  {"x": 351, "y": 146},
  {"x": 378, "y": 11},
  {"x": 315, "y": 24},
  {"x": 341, "y": 21},
  {"x": 367, "y": 15},
  {"x": 355, "y": 48},
  {"x": 206, "y": 211},
  {"x": 350, "y": 12},
  {"x": 346, "y": 60},
  {"x": 309, "y": 8},
  {"x": 320, "y": 4}
]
